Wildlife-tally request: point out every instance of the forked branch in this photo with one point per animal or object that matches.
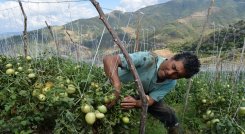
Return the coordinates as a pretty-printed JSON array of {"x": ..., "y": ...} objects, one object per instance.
[{"x": 130, "y": 63}]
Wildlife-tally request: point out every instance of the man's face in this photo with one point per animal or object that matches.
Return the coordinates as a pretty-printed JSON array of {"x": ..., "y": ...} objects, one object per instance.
[{"x": 171, "y": 69}]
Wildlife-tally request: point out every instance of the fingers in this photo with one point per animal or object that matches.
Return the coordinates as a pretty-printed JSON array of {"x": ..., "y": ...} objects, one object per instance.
[
  {"x": 128, "y": 104},
  {"x": 127, "y": 107}
]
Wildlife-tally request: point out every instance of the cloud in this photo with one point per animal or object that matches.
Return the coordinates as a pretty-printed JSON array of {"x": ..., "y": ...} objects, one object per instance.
[
  {"x": 11, "y": 18},
  {"x": 133, "y": 5}
]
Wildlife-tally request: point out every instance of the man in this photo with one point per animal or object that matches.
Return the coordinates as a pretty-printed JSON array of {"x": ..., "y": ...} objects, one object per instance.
[{"x": 158, "y": 76}]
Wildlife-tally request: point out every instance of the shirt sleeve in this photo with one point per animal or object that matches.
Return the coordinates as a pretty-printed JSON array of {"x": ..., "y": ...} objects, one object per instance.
[
  {"x": 139, "y": 59},
  {"x": 158, "y": 94}
]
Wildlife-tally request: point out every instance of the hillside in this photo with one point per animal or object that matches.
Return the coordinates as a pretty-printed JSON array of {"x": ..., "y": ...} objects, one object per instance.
[
  {"x": 167, "y": 25},
  {"x": 225, "y": 39}
]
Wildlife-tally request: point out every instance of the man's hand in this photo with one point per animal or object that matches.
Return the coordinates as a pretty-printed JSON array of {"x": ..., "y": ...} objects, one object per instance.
[{"x": 129, "y": 102}]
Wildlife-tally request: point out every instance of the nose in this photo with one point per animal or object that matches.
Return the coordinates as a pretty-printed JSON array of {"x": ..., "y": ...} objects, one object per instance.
[{"x": 171, "y": 73}]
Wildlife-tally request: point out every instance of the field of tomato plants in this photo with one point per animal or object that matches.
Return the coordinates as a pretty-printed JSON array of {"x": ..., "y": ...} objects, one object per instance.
[{"x": 53, "y": 95}]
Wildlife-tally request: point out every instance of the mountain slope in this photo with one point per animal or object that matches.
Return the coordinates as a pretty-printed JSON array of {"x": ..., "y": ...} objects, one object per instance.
[{"x": 167, "y": 25}]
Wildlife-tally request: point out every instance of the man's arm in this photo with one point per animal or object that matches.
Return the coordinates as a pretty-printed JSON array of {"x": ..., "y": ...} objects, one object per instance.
[{"x": 111, "y": 64}]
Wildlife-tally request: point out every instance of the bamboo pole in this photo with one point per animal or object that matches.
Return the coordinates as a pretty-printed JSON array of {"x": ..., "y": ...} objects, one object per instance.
[
  {"x": 74, "y": 43},
  {"x": 55, "y": 40}
]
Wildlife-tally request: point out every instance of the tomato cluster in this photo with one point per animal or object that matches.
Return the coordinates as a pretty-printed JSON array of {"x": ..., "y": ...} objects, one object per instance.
[{"x": 71, "y": 96}]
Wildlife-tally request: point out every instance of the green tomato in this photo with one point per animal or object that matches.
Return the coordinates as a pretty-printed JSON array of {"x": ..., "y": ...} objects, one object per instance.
[
  {"x": 41, "y": 97},
  {"x": 241, "y": 111},
  {"x": 86, "y": 108},
  {"x": 102, "y": 108},
  {"x": 208, "y": 123},
  {"x": 20, "y": 69},
  {"x": 99, "y": 115},
  {"x": 68, "y": 81},
  {"x": 63, "y": 94},
  {"x": 71, "y": 89},
  {"x": 208, "y": 112},
  {"x": 38, "y": 85},
  {"x": 204, "y": 117},
  {"x": 112, "y": 97},
  {"x": 45, "y": 90},
  {"x": 29, "y": 70},
  {"x": 125, "y": 120},
  {"x": 55, "y": 98},
  {"x": 28, "y": 58},
  {"x": 9, "y": 65},
  {"x": 31, "y": 75},
  {"x": 10, "y": 71},
  {"x": 60, "y": 78},
  {"x": 211, "y": 115},
  {"x": 204, "y": 101},
  {"x": 106, "y": 99},
  {"x": 90, "y": 118},
  {"x": 214, "y": 121},
  {"x": 35, "y": 92}
]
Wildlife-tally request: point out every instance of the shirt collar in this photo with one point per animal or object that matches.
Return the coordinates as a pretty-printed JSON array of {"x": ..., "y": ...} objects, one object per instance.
[{"x": 159, "y": 61}]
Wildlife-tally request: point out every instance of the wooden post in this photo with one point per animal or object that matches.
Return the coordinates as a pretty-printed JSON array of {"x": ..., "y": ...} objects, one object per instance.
[
  {"x": 25, "y": 38},
  {"x": 55, "y": 40}
]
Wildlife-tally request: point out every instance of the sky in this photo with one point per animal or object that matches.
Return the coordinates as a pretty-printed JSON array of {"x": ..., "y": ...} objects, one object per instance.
[{"x": 59, "y": 12}]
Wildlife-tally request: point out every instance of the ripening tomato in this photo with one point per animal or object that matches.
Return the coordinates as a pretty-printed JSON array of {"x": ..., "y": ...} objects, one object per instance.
[
  {"x": 49, "y": 84},
  {"x": 90, "y": 118}
]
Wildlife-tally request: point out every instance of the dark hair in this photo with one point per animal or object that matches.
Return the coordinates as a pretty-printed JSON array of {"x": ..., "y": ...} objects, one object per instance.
[{"x": 190, "y": 61}]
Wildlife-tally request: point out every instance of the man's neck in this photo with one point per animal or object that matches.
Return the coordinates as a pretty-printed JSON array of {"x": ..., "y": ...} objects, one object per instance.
[{"x": 160, "y": 80}]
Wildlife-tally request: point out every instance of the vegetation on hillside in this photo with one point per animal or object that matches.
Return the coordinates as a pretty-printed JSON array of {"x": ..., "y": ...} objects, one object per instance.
[{"x": 230, "y": 40}]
